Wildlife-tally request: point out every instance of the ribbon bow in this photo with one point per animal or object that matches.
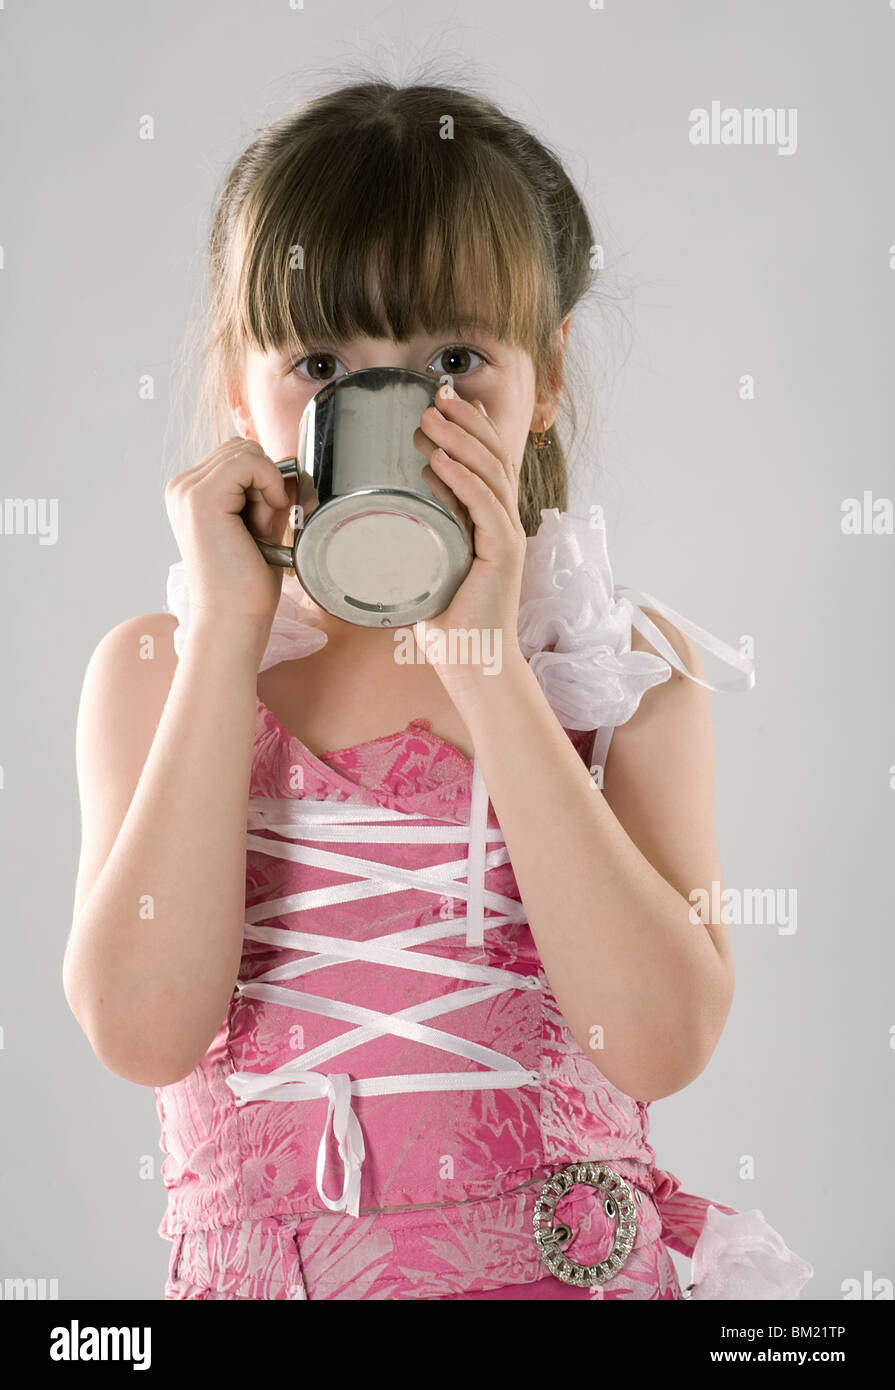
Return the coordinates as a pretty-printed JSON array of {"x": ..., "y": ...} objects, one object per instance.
[{"x": 304, "y": 1085}]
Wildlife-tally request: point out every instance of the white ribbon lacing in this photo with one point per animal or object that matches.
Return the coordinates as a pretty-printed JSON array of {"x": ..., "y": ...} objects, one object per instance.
[{"x": 352, "y": 822}]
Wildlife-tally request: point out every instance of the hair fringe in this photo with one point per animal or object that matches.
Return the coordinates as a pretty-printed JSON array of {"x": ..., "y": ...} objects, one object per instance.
[{"x": 527, "y": 249}]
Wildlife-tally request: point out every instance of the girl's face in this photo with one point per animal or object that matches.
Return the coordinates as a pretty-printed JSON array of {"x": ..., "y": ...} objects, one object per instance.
[{"x": 275, "y": 388}]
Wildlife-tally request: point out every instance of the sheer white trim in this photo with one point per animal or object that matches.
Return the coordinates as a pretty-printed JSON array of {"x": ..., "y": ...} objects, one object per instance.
[{"x": 742, "y": 1256}]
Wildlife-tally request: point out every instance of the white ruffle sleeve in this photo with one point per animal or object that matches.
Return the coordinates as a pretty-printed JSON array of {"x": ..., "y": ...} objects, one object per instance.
[
  {"x": 573, "y": 630},
  {"x": 575, "y": 625}
]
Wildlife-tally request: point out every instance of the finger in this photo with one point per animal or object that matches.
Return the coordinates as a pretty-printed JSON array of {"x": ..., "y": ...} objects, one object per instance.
[
  {"x": 515, "y": 464},
  {"x": 254, "y": 494},
  {"x": 466, "y": 409},
  {"x": 439, "y": 487},
  {"x": 306, "y": 498},
  {"x": 444, "y": 494},
  {"x": 260, "y": 511},
  {"x": 466, "y": 443},
  {"x": 253, "y": 472},
  {"x": 189, "y": 476},
  {"x": 475, "y": 458},
  {"x": 471, "y": 417},
  {"x": 493, "y": 521},
  {"x": 459, "y": 444}
]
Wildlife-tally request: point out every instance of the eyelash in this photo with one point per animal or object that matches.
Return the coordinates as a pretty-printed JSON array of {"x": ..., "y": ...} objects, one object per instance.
[{"x": 330, "y": 352}]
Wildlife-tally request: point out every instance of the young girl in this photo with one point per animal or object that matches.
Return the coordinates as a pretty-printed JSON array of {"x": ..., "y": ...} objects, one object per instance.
[{"x": 403, "y": 954}]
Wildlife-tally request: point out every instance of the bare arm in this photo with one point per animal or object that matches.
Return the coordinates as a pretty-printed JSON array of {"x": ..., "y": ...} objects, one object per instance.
[
  {"x": 605, "y": 877},
  {"x": 164, "y": 751}
]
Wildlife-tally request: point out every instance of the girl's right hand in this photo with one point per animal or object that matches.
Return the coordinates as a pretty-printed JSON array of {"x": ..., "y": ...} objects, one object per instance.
[{"x": 212, "y": 517}]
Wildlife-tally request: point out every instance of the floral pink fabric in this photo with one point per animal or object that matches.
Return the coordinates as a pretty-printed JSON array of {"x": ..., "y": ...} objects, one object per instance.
[{"x": 450, "y": 1178}]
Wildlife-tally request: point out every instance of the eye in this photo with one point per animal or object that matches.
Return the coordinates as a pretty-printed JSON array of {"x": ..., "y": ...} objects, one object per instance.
[
  {"x": 317, "y": 365},
  {"x": 458, "y": 355}
]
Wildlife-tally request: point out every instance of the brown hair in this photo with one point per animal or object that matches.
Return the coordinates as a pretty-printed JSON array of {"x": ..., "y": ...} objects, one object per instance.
[{"x": 362, "y": 211}]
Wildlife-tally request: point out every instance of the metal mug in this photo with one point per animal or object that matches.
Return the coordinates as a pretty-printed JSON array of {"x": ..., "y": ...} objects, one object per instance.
[{"x": 384, "y": 547}]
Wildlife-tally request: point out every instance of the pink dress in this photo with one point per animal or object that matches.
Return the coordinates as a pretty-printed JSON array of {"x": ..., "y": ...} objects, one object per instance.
[{"x": 394, "y": 1084}]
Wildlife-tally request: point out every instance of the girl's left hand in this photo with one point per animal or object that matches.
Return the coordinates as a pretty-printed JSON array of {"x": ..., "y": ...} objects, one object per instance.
[{"x": 466, "y": 454}]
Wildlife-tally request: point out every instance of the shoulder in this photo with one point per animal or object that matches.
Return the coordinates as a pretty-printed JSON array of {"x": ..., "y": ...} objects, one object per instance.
[
  {"x": 131, "y": 668},
  {"x": 682, "y": 645},
  {"x": 672, "y": 725},
  {"x": 677, "y": 707},
  {"x": 141, "y": 643},
  {"x": 126, "y": 685}
]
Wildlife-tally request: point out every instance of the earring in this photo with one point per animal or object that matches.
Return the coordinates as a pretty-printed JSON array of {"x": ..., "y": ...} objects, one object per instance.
[{"x": 542, "y": 442}]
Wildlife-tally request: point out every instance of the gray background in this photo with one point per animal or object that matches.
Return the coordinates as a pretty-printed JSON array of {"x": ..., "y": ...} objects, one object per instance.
[{"x": 728, "y": 260}]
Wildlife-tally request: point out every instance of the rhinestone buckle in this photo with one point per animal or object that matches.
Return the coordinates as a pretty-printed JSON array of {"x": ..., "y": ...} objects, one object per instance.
[{"x": 549, "y": 1238}]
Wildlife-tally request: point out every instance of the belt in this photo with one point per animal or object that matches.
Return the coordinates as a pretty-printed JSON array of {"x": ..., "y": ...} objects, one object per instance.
[
  {"x": 427, "y": 1251},
  {"x": 618, "y": 1203}
]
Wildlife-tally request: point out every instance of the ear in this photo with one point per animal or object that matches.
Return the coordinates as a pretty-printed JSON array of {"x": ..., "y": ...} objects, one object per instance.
[
  {"x": 239, "y": 410},
  {"x": 546, "y": 404}
]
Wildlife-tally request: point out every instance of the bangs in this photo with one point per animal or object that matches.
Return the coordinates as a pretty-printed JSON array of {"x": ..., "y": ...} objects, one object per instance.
[
  {"x": 390, "y": 213},
  {"x": 387, "y": 231}
]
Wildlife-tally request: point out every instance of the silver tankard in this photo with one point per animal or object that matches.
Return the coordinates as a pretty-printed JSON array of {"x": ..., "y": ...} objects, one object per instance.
[{"x": 383, "y": 547}]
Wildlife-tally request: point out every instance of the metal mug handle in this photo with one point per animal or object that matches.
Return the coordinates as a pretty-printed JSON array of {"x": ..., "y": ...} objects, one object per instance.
[{"x": 279, "y": 554}]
